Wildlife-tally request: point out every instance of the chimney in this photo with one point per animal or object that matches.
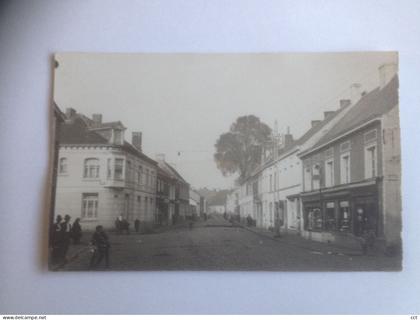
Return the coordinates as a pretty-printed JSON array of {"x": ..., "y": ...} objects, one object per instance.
[
  {"x": 355, "y": 92},
  {"x": 160, "y": 157},
  {"x": 288, "y": 139},
  {"x": 97, "y": 118},
  {"x": 386, "y": 73},
  {"x": 136, "y": 139},
  {"x": 344, "y": 103},
  {"x": 328, "y": 114},
  {"x": 70, "y": 113},
  {"x": 315, "y": 123}
]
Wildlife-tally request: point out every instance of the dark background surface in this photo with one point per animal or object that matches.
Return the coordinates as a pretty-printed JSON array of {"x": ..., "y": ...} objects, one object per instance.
[{"x": 31, "y": 31}]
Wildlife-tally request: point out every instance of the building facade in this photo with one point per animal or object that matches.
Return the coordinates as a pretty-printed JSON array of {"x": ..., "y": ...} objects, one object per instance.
[
  {"x": 351, "y": 177},
  {"x": 101, "y": 176}
]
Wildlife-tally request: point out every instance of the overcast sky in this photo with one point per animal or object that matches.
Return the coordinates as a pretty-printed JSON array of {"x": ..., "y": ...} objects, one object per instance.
[{"x": 183, "y": 102}]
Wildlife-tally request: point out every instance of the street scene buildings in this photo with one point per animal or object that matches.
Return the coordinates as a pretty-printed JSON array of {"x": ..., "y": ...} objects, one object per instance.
[
  {"x": 337, "y": 180},
  {"x": 326, "y": 199}
]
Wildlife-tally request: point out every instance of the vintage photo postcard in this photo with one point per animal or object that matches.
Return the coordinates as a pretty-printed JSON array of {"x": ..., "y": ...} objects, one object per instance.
[{"x": 280, "y": 162}]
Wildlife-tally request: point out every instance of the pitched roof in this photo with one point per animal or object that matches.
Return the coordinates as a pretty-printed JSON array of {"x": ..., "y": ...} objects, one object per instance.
[
  {"x": 76, "y": 132},
  {"x": 171, "y": 171},
  {"x": 371, "y": 106},
  {"x": 128, "y": 147},
  {"x": 107, "y": 125}
]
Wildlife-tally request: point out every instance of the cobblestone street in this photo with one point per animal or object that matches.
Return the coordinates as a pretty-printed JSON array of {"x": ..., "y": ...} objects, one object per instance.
[{"x": 218, "y": 245}]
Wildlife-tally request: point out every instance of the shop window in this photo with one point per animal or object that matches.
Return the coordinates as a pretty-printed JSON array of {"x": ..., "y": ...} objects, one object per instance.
[
  {"x": 344, "y": 218},
  {"x": 330, "y": 221},
  {"x": 314, "y": 219}
]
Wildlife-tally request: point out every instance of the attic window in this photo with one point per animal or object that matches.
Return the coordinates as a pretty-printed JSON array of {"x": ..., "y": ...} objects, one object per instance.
[
  {"x": 370, "y": 136},
  {"x": 345, "y": 146}
]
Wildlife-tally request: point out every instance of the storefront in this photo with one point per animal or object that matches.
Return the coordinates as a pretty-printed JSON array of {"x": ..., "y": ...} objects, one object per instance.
[{"x": 349, "y": 209}]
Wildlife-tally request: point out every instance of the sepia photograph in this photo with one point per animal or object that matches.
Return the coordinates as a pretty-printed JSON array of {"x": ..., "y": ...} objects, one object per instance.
[{"x": 230, "y": 162}]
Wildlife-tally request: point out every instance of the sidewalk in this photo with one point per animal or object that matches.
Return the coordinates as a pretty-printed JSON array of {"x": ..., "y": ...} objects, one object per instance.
[{"x": 298, "y": 241}]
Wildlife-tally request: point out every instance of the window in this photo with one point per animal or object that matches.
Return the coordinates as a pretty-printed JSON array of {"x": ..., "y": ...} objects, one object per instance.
[
  {"x": 345, "y": 168},
  {"x": 271, "y": 213},
  {"x": 117, "y": 136},
  {"x": 316, "y": 176},
  {"x": 275, "y": 181},
  {"x": 307, "y": 178},
  {"x": 330, "y": 222},
  {"x": 147, "y": 177},
  {"x": 90, "y": 206},
  {"x": 140, "y": 177},
  {"x": 63, "y": 165},
  {"x": 313, "y": 219},
  {"x": 271, "y": 182},
  {"x": 109, "y": 169},
  {"x": 91, "y": 169},
  {"x": 128, "y": 171},
  {"x": 145, "y": 205},
  {"x": 370, "y": 162},
  {"x": 329, "y": 173},
  {"x": 344, "y": 218},
  {"x": 118, "y": 169}
]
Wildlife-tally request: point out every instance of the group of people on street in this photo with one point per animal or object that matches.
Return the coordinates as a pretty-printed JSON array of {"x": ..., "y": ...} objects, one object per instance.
[{"x": 61, "y": 235}]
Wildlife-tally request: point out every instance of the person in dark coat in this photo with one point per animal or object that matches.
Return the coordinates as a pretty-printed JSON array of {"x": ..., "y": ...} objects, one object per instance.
[
  {"x": 137, "y": 225},
  {"x": 102, "y": 245},
  {"x": 55, "y": 240},
  {"x": 76, "y": 231},
  {"x": 65, "y": 238}
]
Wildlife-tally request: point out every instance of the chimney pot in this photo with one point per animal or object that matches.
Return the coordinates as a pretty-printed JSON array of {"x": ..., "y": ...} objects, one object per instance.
[
  {"x": 315, "y": 123},
  {"x": 386, "y": 72},
  {"x": 136, "y": 140},
  {"x": 355, "y": 92},
  {"x": 345, "y": 103},
  {"x": 328, "y": 114},
  {"x": 70, "y": 112},
  {"x": 160, "y": 157},
  {"x": 97, "y": 118}
]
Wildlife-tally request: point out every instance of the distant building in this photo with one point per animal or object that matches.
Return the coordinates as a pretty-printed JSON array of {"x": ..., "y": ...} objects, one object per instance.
[
  {"x": 217, "y": 202},
  {"x": 179, "y": 192},
  {"x": 351, "y": 177},
  {"x": 232, "y": 203},
  {"x": 271, "y": 194},
  {"x": 194, "y": 210},
  {"x": 165, "y": 197},
  {"x": 101, "y": 176}
]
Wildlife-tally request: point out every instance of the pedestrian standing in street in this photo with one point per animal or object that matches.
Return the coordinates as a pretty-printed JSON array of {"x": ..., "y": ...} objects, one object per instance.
[
  {"x": 76, "y": 231},
  {"x": 65, "y": 238},
  {"x": 55, "y": 240},
  {"x": 102, "y": 245},
  {"x": 137, "y": 225}
]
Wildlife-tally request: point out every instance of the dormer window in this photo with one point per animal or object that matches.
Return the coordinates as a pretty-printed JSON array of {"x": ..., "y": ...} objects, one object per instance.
[{"x": 117, "y": 136}]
